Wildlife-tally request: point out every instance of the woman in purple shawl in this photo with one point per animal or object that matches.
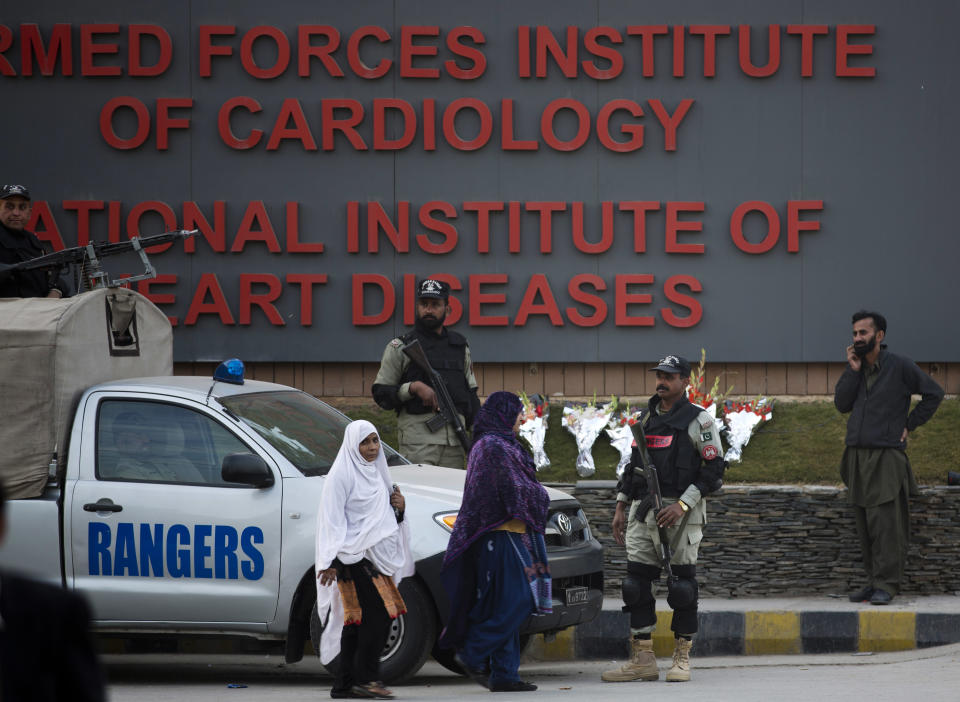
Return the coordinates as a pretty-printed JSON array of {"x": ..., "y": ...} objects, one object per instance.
[{"x": 495, "y": 568}]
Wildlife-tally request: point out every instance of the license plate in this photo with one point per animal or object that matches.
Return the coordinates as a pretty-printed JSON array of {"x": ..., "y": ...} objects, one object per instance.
[{"x": 576, "y": 595}]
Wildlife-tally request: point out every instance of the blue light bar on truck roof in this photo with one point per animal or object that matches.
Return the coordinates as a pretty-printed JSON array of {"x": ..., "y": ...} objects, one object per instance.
[{"x": 230, "y": 371}]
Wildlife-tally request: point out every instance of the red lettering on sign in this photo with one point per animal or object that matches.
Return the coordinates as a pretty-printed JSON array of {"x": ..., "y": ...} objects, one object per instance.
[
  {"x": 773, "y": 52},
  {"x": 44, "y": 225},
  {"x": 300, "y": 130},
  {"x": 89, "y": 49},
  {"x": 143, "y": 123},
  {"x": 83, "y": 209},
  {"x": 357, "y": 64},
  {"x": 678, "y": 298},
  {"x": 449, "y": 124},
  {"x": 583, "y": 124},
  {"x": 136, "y": 33},
  {"x": 359, "y": 282},
  {"x": 807, "y": 33},
  {"x": 256, "y": 216},
  {"x": 576, "y": 292},
  {"x": 408, "y": 50},
  {"x": 209, "y": 285},
  {"x": 647, "y": 34},
  {"x": 639, "y": 209},
  {"x": 795, "y": 225},
  {"x": 479, "y": 298},
  {"x": 31, "y": 47},
  {"x": 282, "y": 49},
  {"x": 167, "y": 216},
  {"x": 538, "y": 286},
  {"x": 483, "y": 210},
  {"x": 264, "y": 300},
  {"x": 306, "y": 281},
  {"x": 845, "y": 50},
  {"x": 227, "y": 134},
  {"x": 215, "y": 236},
  {"x": 294, "y": 245},
  {"x": 611, "y": 55},
  {"x": 206, "y": 49},
  {"x": 710, "y": 33},
  {"x": 773, "y": 227},
  {"x": 566, "y": 60},
  {"x": 478, "y": 62},
  {"x": 347, "y": 125},
  {"x": 306, "y": 50},
  {"x": 634, "y": 130},
  {"x": 675, "y": 225},
  {"x": 624, "y": 299},
  {"x": 431, "y": 223}
]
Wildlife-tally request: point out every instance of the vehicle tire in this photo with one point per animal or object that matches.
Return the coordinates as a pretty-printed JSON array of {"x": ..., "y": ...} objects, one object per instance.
[{"x": 411, "y": 638}]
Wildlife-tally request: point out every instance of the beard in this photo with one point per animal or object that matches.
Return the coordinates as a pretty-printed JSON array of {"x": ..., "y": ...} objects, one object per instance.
[
  {"x": 862, "y": 348},
  {"x": 430, "y": 323}
]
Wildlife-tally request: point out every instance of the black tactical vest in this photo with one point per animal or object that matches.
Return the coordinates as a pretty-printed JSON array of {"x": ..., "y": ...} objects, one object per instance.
[
  {"x": 670, "y": 447},
  {"x": 447, "y": 355}
]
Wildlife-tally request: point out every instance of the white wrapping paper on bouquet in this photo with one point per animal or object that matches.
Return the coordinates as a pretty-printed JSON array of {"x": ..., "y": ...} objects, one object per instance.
[
  {"x": 621, "y": 437},
  {"x": 742, "y": 421},
  {"x": 585, "y": 422},
  {"x": 533, "y": 427}
]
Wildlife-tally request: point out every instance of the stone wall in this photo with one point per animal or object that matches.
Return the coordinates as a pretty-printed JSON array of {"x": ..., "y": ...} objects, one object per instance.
[{"x": 794, "y": 540}]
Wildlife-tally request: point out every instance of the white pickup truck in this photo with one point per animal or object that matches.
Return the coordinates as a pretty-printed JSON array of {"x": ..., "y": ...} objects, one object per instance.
[{"x": 187, "y": 505}]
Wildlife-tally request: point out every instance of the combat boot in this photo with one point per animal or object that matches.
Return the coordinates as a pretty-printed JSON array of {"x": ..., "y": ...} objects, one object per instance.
[
  {"x": 680, "y": 670},
  {"x": 641, "y": 666}
]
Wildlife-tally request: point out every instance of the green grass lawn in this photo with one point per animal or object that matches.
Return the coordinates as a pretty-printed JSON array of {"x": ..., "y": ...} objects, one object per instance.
[{"x": 803, "y": 443}]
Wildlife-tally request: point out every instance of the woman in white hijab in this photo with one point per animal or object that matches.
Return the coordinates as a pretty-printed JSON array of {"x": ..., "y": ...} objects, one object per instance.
[{"x": 362, "y": 554}]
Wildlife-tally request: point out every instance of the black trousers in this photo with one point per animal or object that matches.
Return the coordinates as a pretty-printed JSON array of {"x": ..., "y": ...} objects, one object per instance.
[{"x": 361, "y": 644}]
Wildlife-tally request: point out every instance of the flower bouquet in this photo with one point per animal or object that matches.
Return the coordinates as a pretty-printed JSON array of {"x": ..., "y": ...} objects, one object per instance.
[
  {"x": 585, "y": 422},
  {"x": 533, "y": 427},
  {"x": 621, "y": 437},
  {"x": 742, "y": 420},
  {"x": 697, "y": 391}
]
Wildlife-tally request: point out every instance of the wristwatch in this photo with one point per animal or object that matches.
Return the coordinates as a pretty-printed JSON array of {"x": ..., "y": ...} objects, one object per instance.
[{"x": 684, "y": 506}]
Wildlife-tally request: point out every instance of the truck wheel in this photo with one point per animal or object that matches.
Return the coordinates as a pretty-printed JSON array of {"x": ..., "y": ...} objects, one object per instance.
[{"x": 409, "y": 641}]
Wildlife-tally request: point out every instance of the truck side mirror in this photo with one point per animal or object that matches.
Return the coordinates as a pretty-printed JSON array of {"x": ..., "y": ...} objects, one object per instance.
[{"x": 246, "y": 468}]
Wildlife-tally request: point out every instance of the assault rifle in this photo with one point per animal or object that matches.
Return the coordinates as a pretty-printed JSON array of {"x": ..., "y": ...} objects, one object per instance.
[
  {"x": 447, "y": 410},
  {"x": 89, "y": 258},
  {"x": 654, "y": 498}
]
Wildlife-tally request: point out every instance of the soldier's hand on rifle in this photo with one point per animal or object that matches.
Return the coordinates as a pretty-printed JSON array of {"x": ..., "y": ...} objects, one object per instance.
[
  {"x": 669, "y": 516},
  {"x": 426, "y": 394},
  {"x": 620, "y": 524}
]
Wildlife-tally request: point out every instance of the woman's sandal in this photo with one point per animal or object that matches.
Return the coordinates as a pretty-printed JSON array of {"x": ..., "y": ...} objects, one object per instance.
[{"x": 372, "y": 691}]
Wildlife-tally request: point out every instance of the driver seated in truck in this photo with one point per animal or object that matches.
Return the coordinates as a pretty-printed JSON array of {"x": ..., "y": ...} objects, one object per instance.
[{"x": 144, "y": 453}]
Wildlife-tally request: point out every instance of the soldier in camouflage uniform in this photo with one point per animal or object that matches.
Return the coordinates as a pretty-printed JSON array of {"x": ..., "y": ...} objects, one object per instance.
[{"x": 402, "y": 386}]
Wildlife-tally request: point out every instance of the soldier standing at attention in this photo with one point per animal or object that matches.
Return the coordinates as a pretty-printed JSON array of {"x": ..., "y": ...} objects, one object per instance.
[
  {"x": 402, "y": 386},
  {"x": 683, "y": 443},
  {"x": 876, "y": 388}
]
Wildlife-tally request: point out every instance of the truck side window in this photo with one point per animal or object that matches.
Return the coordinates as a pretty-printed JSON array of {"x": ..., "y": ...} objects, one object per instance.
[{"x": 144, "y": 441}]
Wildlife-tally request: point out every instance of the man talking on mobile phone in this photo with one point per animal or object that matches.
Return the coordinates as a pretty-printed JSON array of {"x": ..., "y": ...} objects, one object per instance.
[{"x": 875, "y": 389}]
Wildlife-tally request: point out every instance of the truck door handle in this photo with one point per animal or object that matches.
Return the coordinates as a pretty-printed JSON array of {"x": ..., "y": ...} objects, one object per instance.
[{"x": 104, "y": 505}]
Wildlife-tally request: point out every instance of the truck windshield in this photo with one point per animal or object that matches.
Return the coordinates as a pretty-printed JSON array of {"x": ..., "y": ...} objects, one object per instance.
[{"x": 305, "y": 430}]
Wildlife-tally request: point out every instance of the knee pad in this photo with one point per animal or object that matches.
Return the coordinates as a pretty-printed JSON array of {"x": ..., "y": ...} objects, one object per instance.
[
  {"x": 636, "y": 587},
  {"x": 635, "y": 591},
  {"x": 683, "y": 589}
]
